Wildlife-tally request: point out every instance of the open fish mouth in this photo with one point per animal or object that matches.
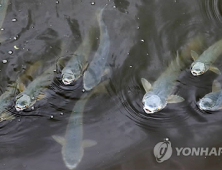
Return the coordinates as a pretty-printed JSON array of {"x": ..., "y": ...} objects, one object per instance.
[
  {"x": 18, "y": 108},
  {"x": 67, "y": 82},
  {"x": 148, "y": 111}
]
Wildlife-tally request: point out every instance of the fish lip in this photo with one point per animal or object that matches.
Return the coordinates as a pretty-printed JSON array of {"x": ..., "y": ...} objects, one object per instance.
[
  {"x": 18, "y": 109},
  {"x": 148, "y": 111},
  {"x": 194, "y": 74},
  {"x": 66, "y": 82}
]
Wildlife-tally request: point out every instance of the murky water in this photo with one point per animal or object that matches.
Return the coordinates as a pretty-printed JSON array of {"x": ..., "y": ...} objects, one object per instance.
[{"x": 144, "y": 36}]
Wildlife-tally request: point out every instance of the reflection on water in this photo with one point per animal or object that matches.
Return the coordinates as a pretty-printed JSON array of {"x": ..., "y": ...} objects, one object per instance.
[{"x": 144, "y": 37}]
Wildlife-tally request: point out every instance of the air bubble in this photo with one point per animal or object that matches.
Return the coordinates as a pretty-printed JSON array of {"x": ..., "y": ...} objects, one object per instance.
[
  {"x": 10, "y": 52},
  {"x": 142, "y": 40},
  {"x": 14, "y": 20},
  {"x": 4, "y": 61},
  {"x": 92, "y": 3}
]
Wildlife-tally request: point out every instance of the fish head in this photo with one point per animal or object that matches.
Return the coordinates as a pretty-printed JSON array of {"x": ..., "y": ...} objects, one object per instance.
[
  {"x": 153, "y": 103},
  {"x": 68, "y": 77},
  {"x": 198, "y": 68},
  {"x": 22, "y": 102},
  {"x": 206, "y": 103}
]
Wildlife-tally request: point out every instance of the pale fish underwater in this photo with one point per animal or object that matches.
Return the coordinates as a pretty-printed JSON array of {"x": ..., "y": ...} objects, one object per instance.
[
  {"x": 73, "y": 144},
  {"x": 205, "y": 61},
  {"x": 97, "y": 68},
  {"x": 161, "y": 93},
  {"x": 212, "y": 101}
]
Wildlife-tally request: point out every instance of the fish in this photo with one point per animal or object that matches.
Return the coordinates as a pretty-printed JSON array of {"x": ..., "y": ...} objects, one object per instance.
[
  {"x": 205, "y": 61},
  {"x": 212, "y": 101},
  {"x": 73, "y": 144},
  {"x": 161, "y": 92},
  {"x": 7, "y": 98},
  {"x": 35, "y": 90},
  {"x": 97, "y": 67},
  {"x": 5, "y": 101},
  {"x": 158, "y": 95},
  {"x": 75, "y": 67}
]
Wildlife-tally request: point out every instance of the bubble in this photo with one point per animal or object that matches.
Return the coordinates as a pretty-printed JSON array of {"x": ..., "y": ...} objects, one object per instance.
[
  {"x": 114, "y": 6},
  {"x": 83, "y": 90},
  {"x": 4, "y": 61},
  {"x": 10, "y": 52},
  {"x": 61, "y": 113},
  {"x": 14, "y": 20},
  {"x": 2, "y": 29},
  {"x": 142, "y": 40},
  {"x": 131, "y": 66},
  {"x": 57, "y": 2},
  {"x": 51, "y": 116},
  {"x": 92, "y": 3},
  {"x": 32, "y": 108}
]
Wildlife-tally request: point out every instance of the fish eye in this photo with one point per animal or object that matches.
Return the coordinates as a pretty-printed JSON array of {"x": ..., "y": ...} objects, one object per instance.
[
  {"x": 157, "y": 109},
  {"x": 143, "y": 103}
]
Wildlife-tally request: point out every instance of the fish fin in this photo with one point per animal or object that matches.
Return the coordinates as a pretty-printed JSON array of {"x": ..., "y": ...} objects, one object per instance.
[
  {"x": 215, "y": 69},
  {"x": 85, "y": 66},
  {"x": 174, "y": 99},
  {"x": 194, "y": 55},
  {"x": 88, "y": 143},
  {"x": 41, "y": 96},
  {"x": 21, "y": 87},
  {"x": 59, "y": 139},
  {"x": 216, "y": 86},
  {"x": 146, "y": 85}
]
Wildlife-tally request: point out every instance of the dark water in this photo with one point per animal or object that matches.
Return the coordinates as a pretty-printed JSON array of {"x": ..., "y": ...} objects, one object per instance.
[{"x": 145, "y": 36}]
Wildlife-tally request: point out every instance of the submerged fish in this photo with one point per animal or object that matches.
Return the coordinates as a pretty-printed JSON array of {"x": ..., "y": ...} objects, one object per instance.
[
  {"x": 161, "y": 93},
  {"x": 212, "y": 101},
  {"x": 35, "y": 90},
  {"x": 73, "y": 144},
  {"x": 205, "y": 61},
  {"x": 79, "y": 62},
  {"x": 5, "y": 101},
  {"x": 97, "y": 67}
]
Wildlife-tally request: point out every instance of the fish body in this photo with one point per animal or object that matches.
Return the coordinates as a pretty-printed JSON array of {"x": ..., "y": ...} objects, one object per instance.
[
  {"x": 94, "y": 73},
  {"x": 73, "y": 144},
  {"x": 5, "y": 102},
  {"x": 35, "y": 90},
  {"x": 212, "y": 101},
  {"x": 3, "y": 10},
  {"x": 205, "y": 61},
  {"x": 79, "y": 62}
]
